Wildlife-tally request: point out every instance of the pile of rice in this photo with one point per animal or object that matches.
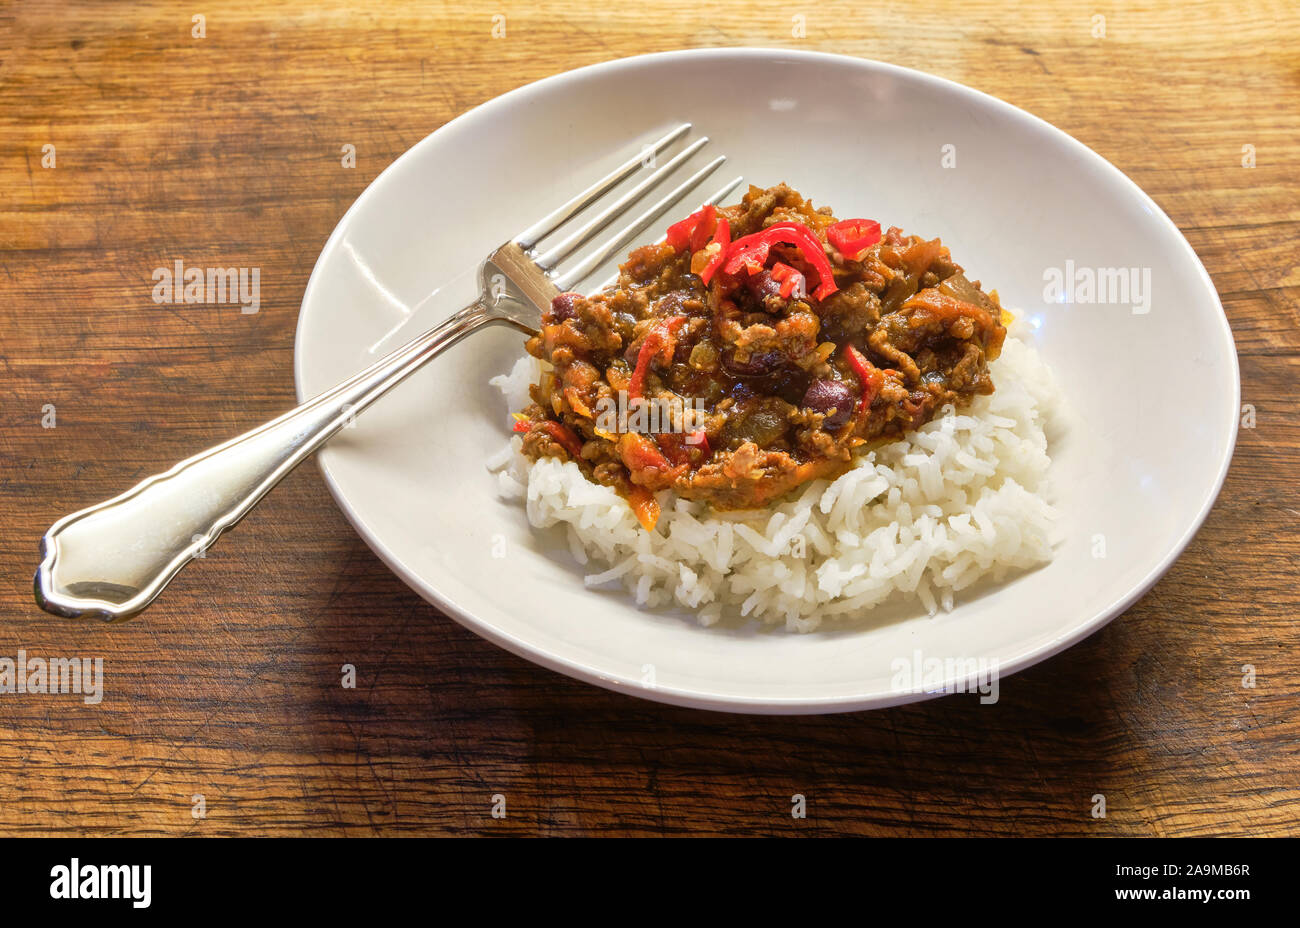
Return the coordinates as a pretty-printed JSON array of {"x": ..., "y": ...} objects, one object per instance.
[{"x": 961, "y": 499}]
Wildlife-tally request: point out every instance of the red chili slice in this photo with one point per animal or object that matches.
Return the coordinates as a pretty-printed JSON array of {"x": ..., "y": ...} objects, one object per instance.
[
  {"x": 681, "y": 235},
  {"x": 704, "y": 228},
  {"x": 751, "y": 253},
  {"x": 564, "y": 436},
  {"x": 851, "y": 237},
  {"x": 870, "y": 377},
  {"x": 658, "y": 341},
  {"x": 707, "y": 260},
  {"x": 792, "y": 282},
  {"x": 639, "y": 453},
  {"x": 561, "y": 434}
]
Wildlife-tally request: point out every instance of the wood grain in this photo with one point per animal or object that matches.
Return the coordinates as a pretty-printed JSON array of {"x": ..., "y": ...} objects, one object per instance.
[{"x": 225, "y": 151}]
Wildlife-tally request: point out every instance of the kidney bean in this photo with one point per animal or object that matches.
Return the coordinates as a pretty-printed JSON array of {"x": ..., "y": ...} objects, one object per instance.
[
  {"x": 563, "y": 307},
  {"x": 825, "y": 395},
  {"x": 756, "y": 365},
  {"x": 763, "y": 284}
]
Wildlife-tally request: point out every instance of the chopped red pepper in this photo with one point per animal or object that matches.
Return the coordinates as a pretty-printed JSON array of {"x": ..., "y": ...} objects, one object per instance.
[
  {"x": 706, "y": 236},
  {"x": 560, "y": 433},
  {"x": 792, "y": 282},
  {"x": 658, "y": 341},
  {"x": 870, "y": 377},
  {"x": 751, "y": 252},
  {"x": 682, "y": 234},
  {"x": 704, "y": 228},
  {"x": 708, "y": 259},
  {"x": 851, "y": 237},
  {"x": 640, "y": 454},
  {"x": 700, "y": 439},
  {"x": 564, "y": 436}
]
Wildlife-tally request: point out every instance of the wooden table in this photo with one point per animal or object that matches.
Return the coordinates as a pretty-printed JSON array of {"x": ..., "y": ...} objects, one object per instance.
[{"x": 225, "y": 150}]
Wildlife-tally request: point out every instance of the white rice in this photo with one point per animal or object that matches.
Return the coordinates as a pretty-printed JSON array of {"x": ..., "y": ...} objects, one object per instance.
[{"x": 963, "y": 498}]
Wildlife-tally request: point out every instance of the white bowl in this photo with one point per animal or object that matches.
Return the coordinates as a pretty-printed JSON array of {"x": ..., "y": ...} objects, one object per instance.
[{"x": 1155, "y": 394}]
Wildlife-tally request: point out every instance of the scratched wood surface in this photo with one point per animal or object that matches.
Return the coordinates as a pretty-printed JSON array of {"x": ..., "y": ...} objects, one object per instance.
[{"x": 225, "y": 150}]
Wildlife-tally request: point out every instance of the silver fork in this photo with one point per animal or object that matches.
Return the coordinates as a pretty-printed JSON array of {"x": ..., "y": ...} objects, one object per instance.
[{"x": 113, "y": 559}]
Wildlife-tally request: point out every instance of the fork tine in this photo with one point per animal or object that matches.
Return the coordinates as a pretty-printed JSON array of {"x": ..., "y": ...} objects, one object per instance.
[
  {"x": 529, "y": 238},
  {"x": 566, "y": 247},
  {"x": 624, "y": 235},
  {"x": 711, "y": 201}
]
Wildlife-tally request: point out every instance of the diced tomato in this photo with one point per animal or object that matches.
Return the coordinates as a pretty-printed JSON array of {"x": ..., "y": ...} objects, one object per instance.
[
  {"x": 792, "y": 282},
  {"x": 851, "y": 237}
]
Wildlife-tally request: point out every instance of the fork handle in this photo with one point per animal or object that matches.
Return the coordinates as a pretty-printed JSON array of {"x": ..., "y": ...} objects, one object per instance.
[{"x": 113, "y": 559}]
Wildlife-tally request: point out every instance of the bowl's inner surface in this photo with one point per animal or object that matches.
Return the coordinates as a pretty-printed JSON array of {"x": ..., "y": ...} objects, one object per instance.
[{"x": 1150, "y": 379}]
